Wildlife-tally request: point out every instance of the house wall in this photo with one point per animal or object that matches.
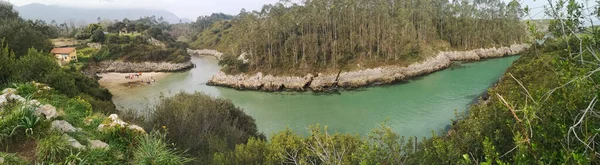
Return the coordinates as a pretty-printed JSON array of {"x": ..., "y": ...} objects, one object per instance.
[{"x": 71, "y": 57}]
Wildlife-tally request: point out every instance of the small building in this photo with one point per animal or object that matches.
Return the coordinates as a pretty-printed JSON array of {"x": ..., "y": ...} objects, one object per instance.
[{"x": 65, "y": 55}]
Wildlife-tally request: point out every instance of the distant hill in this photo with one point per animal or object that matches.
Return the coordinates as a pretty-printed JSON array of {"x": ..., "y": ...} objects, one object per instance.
[{"x": 69, "y": 14}]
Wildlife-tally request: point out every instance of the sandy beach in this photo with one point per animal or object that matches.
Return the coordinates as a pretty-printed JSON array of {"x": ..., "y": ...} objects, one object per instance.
[{"x": 120, "y": 80}]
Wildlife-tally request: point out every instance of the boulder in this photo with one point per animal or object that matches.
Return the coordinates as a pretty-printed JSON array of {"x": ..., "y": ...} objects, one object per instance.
[
  {"x": 35, "y": 103},
  {"x": 9, "y": 91},
  {"x": 63, "y": 126},
  {"x": 16, "y": 98},
  {"x": 48, "y": 110},
  {"x": 3, "y": 101},
  {"x": 114, "y": 121},
  {"x": 74, "y": 143},
  {"x": 97, "y": 144},
  {"x": 137, "y": 128}
]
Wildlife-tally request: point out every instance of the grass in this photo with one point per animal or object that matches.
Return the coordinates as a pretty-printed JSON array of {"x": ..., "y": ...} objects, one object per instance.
[
  {"x": 154, "y": 150},
  {"x": 54, "y": 148}
]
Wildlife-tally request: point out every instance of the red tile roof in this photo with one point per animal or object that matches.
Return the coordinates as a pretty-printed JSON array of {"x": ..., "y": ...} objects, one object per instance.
[{"x": 62, "y": 50}]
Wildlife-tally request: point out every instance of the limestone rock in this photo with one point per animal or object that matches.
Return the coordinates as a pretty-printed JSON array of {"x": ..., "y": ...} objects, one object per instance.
[
  {"x": 9, "y": 91},
  {"x": 1, "y": 160},
  {"x": 97, "y": 144},
  {"x": 16, "y": 98},
  {"x": 206, "y": 52},
  {"x": 48, "y": 110},
  {"x": 3, "y": 101},
  {"x": 74, "y": 143},
  {"x": 114, "y": 121},
  {"x": 34, "y": 103},
  {"x": 63, "y": 126},
  {"x": 360, "y": 78},
  {"x": 127, "y": 67},
  {"x": 137, "y": 128}
]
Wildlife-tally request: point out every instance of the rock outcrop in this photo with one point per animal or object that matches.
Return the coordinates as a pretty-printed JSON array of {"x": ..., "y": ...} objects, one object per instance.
[
  {"x": 47, "y": 110},
  {"x": 205, "y": 52},
  {"x": 63, "y": 126},
  {"x": 114, "y": 121},
  {"x": 97, "y": 144},
  {"x": 73, "y": 142},
  {"x": 128, "y": 67},
  {"x": 359, "y": 78}
]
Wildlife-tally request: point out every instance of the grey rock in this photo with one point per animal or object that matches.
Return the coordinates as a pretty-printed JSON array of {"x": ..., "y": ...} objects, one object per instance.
[
  {"x": 63, "y": 126},
  {"x": 113, "y": 121},
  {"x": 35, "y": 103},
  {"x": 127, "y": 67},
  {"x": 9, "y": 91},
  {"x": 74, "y": 143},
  {"x": 97, "y": 144},
  {"x": 1, "y": 160},
  {"x": 3, "y": 101},
  {"x": 136, "y": 128},
  {"x": 16, "y": 98},
  {"x": 48, "y": 110},
  {"x": 205, "y": 52}
]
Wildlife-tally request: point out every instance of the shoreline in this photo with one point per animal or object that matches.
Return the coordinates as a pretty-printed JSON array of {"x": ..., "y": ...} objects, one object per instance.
[
  {"x": 360, "y": 78},
  {"x": 114, "y": 80}
]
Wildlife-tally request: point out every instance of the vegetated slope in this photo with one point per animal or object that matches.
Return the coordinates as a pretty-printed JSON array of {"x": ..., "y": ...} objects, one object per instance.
[
  {"x": 328, "y": 35},
  {"x": 42, "y": 126},
  {"x": 142, "y": 40},
  {"x": 62, "y": 14},
  {"x": 546, "y": 114}
]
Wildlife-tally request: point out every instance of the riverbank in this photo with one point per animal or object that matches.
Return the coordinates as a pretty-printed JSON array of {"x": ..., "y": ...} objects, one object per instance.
[{"x": 359, "y": 78}]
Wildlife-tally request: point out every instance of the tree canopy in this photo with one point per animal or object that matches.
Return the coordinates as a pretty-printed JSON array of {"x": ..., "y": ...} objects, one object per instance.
[{"x": 337, "y": 34}]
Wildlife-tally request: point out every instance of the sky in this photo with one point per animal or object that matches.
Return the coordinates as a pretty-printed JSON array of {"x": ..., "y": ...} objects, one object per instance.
[{"x": 191, "y": 9}]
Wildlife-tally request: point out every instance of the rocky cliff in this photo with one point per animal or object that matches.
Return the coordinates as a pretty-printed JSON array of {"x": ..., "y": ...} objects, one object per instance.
[
  {"x": 359, "y": 78},
  {"x": 125, "y": 67}
]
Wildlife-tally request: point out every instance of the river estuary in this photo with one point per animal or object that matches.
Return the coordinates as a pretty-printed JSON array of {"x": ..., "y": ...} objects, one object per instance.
[{"x": 413, "y": 108}]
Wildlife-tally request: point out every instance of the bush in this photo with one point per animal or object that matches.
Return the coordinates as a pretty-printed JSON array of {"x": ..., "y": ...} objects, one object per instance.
[
  {"x": 54, "y": 148},
  {"x": 27, "y": 89},
  {"x": 202, "y": 124},
  {"x": 154, "y": 150}
]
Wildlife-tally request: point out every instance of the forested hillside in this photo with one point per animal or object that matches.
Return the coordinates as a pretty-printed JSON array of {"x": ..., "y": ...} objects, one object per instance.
[{"x": 338, "y": 34}]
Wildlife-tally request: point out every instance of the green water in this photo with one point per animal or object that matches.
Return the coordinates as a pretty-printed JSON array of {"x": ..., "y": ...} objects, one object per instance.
[{"x": 413, "y": 108}]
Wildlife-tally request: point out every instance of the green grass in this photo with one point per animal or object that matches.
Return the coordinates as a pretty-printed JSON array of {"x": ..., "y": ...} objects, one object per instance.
[
  {"x": 154, "y": 150},
  {"x": 54, "y": 148}
]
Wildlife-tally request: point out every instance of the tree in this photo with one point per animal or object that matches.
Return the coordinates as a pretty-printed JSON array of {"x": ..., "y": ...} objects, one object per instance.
[{"x": 98, "y": 36}]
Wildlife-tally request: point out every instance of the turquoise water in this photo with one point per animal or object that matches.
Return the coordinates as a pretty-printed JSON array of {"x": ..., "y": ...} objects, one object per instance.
[{"x": 413, "y": 108}]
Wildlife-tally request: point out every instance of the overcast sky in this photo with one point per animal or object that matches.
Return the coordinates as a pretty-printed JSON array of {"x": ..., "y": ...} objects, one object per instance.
[
  {"x": 193, "y": 8},
  {"x": 183, "y": 8}
]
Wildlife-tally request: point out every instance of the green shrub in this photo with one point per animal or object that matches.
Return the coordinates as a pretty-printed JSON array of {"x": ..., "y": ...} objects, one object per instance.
[
  {"x": 154, "y": 150},
  {"x": 13, "y": 159},
  {"x": 229, "y": 125},
  {"x": 26, "y": 89},
  {"x": 28, "y": 121},
  {"x": 121, "y": 139},
  {"x": 54, "y": 148}
]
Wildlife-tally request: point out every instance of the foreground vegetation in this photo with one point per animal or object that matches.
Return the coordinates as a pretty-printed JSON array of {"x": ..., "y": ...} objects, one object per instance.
[{"x": 30, "y": 138}]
